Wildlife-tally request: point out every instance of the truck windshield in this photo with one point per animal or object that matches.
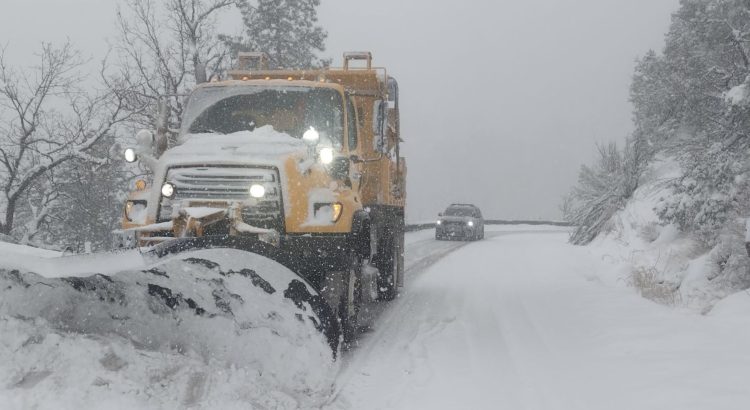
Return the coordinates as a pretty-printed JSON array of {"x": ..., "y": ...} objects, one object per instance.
[{"x": 291, "y": 110}]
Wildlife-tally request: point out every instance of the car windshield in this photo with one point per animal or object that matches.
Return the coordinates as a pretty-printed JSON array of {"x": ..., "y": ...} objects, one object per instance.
[
  {"x": 291, "y": 110},
  {"x": 460, "y": 211}
]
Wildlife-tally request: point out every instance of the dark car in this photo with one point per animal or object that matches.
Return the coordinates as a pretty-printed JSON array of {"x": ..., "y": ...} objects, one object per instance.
[{"x": 461, "y": 221}]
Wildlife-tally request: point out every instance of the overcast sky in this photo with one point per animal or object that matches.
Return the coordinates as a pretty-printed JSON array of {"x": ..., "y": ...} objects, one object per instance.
[{"x": 501, "y": 101}]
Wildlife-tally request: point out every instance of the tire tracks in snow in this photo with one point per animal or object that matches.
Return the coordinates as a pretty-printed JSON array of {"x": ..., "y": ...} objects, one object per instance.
[
  {"x": 528, "y": 371},
  {"x": 381, "y": 317}
]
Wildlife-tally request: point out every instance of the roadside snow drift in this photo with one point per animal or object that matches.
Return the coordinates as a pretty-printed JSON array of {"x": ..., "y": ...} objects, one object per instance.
[{"x": 213, "y": 328}]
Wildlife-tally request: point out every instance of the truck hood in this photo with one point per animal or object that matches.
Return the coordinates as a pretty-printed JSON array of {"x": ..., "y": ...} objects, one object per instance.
[{"x": 261, "y": 146}]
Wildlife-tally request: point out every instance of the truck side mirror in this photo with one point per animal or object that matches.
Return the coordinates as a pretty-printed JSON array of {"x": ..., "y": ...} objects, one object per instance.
[
  {"x": 145, "y": 140},
  {"x": 340, "y": 168},
  {"x": 151, "y": 143},
  {"x": 161, "y": 137},
  {"x": 146, "y": 149}
]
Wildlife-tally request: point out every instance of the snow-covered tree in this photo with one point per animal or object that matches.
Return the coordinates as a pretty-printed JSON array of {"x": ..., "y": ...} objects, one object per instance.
[
  {"x": 692, "y": 102},
  {"x": 603, "y": 189},
  {"x": 286, "y": 30},
  {"x": 47, "y": 120},
  {"x": 166, "y": 48},
  {"x": 79, "y": 204}
]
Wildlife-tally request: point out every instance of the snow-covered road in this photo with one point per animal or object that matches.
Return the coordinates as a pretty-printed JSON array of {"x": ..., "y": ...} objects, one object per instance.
[{"x": 522, "y": 321}]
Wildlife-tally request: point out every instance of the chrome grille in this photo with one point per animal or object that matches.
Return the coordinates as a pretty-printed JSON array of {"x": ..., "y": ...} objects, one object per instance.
[{"x": 204, "y": 186}]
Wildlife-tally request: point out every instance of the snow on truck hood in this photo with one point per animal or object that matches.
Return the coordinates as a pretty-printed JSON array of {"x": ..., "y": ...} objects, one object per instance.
[{"x": 263, "y": 145}]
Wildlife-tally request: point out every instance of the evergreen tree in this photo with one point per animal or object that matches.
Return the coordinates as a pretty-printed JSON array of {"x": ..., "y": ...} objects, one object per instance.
[
  {"x": 692, "y": 104},
  {"x": 286, "y": 30}
]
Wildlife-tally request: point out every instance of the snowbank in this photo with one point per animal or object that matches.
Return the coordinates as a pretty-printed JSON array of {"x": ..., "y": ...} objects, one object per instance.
[
  {"x": 738, "y": 96},
  {"x": 734, "y": 306},
  {"x": 662, "y": 263},
  {"x": 198, "y": 330},
  {"x": 8, "y": 250}
]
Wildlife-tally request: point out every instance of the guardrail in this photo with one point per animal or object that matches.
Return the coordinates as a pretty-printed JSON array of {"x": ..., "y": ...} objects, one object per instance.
[{"x": 431, "y": 225}]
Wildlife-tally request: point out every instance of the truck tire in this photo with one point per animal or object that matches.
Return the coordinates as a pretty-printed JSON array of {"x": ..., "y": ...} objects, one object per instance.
[
  {"x": 391, "y": 263},
  {"x": 350, "y": 299}
]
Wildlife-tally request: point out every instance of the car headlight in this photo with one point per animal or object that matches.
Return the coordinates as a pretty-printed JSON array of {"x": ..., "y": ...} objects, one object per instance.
[
  {"x": 470, "y": 223},
  {"x": 168, "y": 190},
  {"x": 439, "y": 222},
  {"x": 257, "y": 191},
  {"x": 326, "y": 156}
]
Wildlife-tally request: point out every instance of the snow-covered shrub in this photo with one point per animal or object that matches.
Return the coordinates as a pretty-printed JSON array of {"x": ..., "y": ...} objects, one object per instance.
[
  {"x": 648, "y": 281},
  {"x": 602, "y": 190},
  {"x": 730, "y": 265},
  {"x": 650, "y": 232},
  {"x": 710, "y": 194}
]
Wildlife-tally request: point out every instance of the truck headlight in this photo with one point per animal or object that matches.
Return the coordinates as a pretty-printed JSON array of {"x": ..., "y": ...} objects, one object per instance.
[
  {"x": 311, "y": 137},
  {"x": 326, "y": 156},
  {"x": 257, "y": 191},
  {"x": 168, "y": 190},
  {"x": 130, "y": 155},
  {"x": 337, "y": 210},
  {"x": 329, "y": 211},
  {"x": 135, "y": 211}
]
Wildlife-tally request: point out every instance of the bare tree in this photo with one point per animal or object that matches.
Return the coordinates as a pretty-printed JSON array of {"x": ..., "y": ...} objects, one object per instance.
[
  {"x": 165, "y": 48},
  {"x": 47, "y": 119}
]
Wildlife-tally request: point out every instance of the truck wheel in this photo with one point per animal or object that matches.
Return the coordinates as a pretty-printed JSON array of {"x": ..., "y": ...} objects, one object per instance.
[
  {"x": 389, "y": 269},
  {"x": 351, "y": 296},
  {"x": 391, "y": 265}
]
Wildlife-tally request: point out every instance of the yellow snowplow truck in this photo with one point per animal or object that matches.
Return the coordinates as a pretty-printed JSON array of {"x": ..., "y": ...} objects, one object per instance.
[{"x": 301, "y": 166}]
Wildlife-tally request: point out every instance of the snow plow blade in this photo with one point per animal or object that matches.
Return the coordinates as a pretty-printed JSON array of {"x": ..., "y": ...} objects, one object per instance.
[
  {"x": 248, "y": 244},
  {"x": 300, "y": 290},
  {"x": 252, "y": 244}
]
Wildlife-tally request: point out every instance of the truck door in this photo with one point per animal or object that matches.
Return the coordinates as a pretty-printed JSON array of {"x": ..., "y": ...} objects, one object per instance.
[{"x": 353, "y": 141}]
